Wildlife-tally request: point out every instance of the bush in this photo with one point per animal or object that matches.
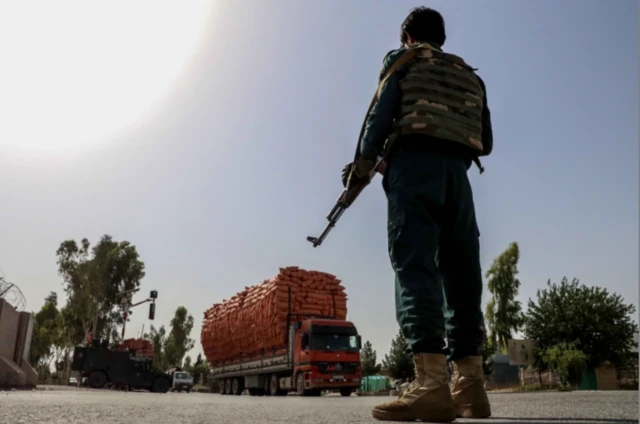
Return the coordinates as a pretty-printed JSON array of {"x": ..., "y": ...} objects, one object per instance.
[{"x": 567, "y": 361}]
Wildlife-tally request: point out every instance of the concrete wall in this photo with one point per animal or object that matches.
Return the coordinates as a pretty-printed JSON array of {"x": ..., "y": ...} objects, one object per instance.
[
  {"x": 16, "y": 329},
  {"x": 9, "y": 319}
]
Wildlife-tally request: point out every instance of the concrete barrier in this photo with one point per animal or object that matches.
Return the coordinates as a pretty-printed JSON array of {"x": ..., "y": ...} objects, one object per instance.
[{"x": 16, "y": 330}]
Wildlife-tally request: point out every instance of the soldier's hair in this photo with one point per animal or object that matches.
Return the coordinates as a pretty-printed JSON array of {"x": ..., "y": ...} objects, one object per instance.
[{"x": 423, "y": 24}]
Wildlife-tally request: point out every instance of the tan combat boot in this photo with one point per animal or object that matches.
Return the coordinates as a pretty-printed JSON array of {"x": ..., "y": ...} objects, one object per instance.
[
  {"x": 427, "y": 399},
  {"x": 467, "y": 388}
]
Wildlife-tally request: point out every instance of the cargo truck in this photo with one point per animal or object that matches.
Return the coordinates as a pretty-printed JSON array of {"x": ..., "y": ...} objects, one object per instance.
[{"x": 319, "y": 353}]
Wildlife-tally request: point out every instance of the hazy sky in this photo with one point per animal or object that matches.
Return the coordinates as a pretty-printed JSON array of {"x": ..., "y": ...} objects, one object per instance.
[{"x": 213, "y": 139}]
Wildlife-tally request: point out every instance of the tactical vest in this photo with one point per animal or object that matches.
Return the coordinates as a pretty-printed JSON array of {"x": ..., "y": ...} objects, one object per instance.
[{"x": 441, "y": 97}]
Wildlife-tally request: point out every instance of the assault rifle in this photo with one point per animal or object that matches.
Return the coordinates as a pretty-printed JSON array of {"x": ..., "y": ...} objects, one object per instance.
[
  {"x": 355, "y": 186},
  {"x": 350, "y": 193}
]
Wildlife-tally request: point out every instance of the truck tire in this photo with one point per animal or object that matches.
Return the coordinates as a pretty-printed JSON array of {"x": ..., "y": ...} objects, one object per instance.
[
  {"x": 227, "y": 387},
  {"x": 300, "y": 390},
  {"x": 267, "y": 385},
  {"x": 346, "y": 391},
  {"x": 274, "y": 386},
  {"x": 160, "y": 385},
  {"x": 221, "y": 387},
  {"x": 97, "y": 380},
  {"x": 236, "y": 387}
]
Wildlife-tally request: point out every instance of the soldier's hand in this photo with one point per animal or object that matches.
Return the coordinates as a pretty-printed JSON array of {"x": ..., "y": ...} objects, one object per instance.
[{"x": 345, "y": 173}]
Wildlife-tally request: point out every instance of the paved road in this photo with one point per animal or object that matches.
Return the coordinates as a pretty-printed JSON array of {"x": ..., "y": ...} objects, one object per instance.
[{"x": 105, "y": 407}]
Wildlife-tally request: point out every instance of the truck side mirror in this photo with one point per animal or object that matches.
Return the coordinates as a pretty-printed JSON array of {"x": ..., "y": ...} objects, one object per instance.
[
  {"x": 359, "y": 341},
  {"x": 152, "y": 311},
  {"x": 305, "y": 341}
]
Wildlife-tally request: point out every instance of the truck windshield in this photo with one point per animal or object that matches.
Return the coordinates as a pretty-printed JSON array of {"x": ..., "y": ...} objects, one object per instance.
[
  {"x": 183, "y": 375},
  {"x": 333, "y": 342}
]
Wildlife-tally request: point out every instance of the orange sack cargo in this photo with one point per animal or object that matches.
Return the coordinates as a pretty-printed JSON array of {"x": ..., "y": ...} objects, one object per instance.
[
  {"x": 143, "y": 347},
  {"x": 256, "y": 318}
]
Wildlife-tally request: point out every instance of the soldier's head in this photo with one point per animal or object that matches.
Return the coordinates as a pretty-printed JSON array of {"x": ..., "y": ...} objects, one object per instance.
[{"x": 423, "y": 25}]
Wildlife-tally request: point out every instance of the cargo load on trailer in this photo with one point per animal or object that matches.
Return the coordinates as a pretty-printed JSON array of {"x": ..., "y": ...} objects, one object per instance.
[
  {"x": 288, "y": 333},
  {"x": 140, "y": 347}
]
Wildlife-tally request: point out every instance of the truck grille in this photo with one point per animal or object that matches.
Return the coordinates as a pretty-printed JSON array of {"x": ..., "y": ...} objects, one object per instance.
[{"x": 337, "y": 367}]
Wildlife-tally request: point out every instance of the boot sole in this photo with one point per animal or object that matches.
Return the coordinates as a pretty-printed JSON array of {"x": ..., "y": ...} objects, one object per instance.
[
  {"x": 474, "y": 411},
  {"x": 431, "y": 416}
]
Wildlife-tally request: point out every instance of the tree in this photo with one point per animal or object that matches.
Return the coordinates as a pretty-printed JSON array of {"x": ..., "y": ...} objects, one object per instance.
[
  {"x": 566, "y": 361},
  {"x": 158, "y": 339},
  {"x": 595, "y": 321},
  {"x": 187, "y": 365},
  {"x": 504, "y": 313},
  {"x": 52, "y": 298},
  {"x": 399, "y": 362},
  {"x": 200, "y": 370},
  {"x": 46, "y": 330},
  {"x": 368, "y": 360},
  {"x": 178, "y": 342},
  {"x": 93, "y": 276}
]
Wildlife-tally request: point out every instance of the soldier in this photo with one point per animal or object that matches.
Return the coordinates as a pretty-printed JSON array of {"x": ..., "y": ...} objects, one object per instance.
[{"x": 433, "y": 110}]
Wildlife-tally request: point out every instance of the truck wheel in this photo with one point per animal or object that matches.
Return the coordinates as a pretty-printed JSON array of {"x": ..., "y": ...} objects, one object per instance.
[
  {"x": 236, "y": 387},
  {"x": 97, "y": 380},
  {"x": 160, "y": 385},
  {"x": 221, "y": 387},
  {"x": 227, "y": 387},
  {"x": 300, "y": 390},
  {"x": 274, "y": 387},
  {"x": 346, "y": 391},
  {"x": 267, "y": 385}
]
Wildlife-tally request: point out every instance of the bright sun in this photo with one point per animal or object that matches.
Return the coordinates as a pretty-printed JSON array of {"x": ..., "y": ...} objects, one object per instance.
[{"x": 75, "y": 72}]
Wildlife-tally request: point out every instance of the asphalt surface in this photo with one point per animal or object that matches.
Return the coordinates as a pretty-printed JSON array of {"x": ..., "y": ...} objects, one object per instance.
[{"x": 104, "y": 407}]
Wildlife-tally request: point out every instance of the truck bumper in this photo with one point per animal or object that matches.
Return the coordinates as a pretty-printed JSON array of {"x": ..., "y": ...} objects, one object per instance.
[{"x": 330, "y": 383}]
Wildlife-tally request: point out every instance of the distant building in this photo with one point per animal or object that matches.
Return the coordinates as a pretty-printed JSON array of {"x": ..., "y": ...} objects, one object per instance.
[{"x": 504, "y": 374}]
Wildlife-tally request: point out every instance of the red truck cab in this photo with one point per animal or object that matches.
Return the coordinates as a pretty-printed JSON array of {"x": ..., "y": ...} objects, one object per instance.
[
  {"x": 326, "y": 355},
  {"x": 318, "y": 354}
]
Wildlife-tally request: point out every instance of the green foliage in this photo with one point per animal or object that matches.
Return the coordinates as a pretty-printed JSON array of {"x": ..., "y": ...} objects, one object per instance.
[
  {"x": 200, "y": 371},
  {"x": 399, "y": 362},
  {"x": 567, "y": 361},
  {"x": 504, "y": 313},
  {"x": 158, "y": 339},
  {"x": 46, "y": 332},
  {"x": 598, "y": 322},
  {"x": 368, "y": 360},
  {"x": 169, "y": 349},
  {"x": 93, "y": 276},
  {"x": 178, "y": 342},
  {"x": 52, "y": 298}
]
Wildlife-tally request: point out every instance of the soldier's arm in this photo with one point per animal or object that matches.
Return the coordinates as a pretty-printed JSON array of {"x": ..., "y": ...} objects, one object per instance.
[
  {"x": 487, "y": 130},
  {"x": 380, "y": 119}
]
